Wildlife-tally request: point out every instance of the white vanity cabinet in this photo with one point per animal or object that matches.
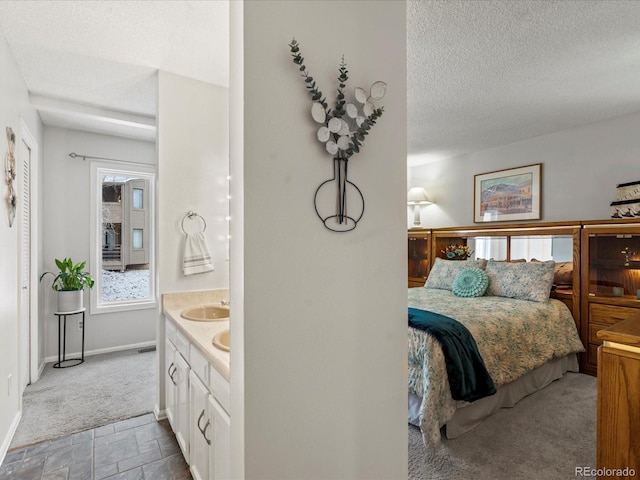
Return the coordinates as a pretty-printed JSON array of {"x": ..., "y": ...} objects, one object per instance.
[
  {"x": 220, "y": 453},
  {"x": 200, "y": 440},
  {"x": 182, "y": 405},
  {"x": 177, "y": 386},
  {"x": 170, "y": 382},
  {"x": 210, "y": 422},
  {"x": 197, "y": 405}
]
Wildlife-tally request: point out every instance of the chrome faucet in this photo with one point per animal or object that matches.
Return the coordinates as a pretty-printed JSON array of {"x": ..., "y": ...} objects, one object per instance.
[{"x": 225, "y": 303}]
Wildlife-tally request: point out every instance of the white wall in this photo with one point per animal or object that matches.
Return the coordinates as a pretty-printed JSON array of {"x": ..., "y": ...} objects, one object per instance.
[
  {"x": 14, "y": 105},
  {"x": 67, "y": 230},
  {"x": 193, "y": 159},
  {"x": 323, "y": 342},
  {"x": 193, "y": 166},
  {"x": 580, "y": 170}
]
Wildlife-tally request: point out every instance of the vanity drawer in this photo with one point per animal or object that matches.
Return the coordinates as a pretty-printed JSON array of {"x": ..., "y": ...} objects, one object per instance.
[
  {"x": 219, "y": 388},
  {"x": 170, "y": 331},
  {"x": 199, "y": 364},
  {"x": 182, "y": 344},
  {"x": 610, "y": 314}
]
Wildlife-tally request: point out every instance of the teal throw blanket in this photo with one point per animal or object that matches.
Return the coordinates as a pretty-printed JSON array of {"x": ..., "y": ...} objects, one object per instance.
[{"x": 468, "y": 375}]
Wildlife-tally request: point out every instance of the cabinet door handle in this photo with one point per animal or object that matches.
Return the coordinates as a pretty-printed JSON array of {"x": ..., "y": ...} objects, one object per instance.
[
  {"x": 203, "y": 431},
  {"x": 172, "y": 373}
]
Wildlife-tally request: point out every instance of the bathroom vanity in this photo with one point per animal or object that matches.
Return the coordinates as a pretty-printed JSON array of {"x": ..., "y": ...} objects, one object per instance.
[{"x": 197, "y": 392}]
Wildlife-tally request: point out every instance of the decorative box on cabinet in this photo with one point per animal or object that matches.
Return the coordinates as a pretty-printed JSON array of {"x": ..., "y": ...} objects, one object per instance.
[
  {"x": 618, "y": 448},
  {"x": 610, "y": 281},
  {"x": 418, "y": 252}
]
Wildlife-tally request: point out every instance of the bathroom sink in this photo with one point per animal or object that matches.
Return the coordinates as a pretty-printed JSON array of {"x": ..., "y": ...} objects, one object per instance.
[
  {"x": 221, "y": 340},
  {"x": 206, "y": 313}
]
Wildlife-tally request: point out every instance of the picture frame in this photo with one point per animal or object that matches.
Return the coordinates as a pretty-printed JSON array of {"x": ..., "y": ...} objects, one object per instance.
[{"x": 508, "y": 195}]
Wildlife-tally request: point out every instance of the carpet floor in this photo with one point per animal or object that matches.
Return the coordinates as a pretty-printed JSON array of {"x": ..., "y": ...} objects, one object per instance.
[
  {"x": 545, "y": 436},
  {"x": 104, "y": 389}
]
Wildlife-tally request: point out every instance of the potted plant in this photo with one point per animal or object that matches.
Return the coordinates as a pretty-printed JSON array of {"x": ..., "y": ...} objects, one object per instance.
[{"x": 69, "y": 283}]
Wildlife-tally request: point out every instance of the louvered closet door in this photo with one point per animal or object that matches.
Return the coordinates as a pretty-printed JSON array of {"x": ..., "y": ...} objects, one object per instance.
[{"x": 24, "y": 209}]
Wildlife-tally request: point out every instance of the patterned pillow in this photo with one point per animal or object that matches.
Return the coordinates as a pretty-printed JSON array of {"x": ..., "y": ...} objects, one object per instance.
[
  {"x": 563, "y": 273},
  {"x": 444, "y": 271},
  {"x": 470, "y": 282},
  {"x": 524, "y": 281}
]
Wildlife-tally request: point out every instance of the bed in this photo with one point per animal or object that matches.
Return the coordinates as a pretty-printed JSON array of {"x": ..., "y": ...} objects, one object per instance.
[{"x": 526, "y": 340}]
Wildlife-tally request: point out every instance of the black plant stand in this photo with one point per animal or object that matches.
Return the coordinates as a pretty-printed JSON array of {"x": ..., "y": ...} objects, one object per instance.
[{"x": 62, "y": 323}]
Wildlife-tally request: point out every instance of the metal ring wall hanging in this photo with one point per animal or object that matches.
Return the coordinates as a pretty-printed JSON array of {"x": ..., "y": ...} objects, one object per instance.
[{"x": 191, "y": 216}]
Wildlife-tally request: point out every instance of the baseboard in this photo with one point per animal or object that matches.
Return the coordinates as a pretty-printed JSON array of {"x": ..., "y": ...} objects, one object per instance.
[
  {"x": 99, "y": 351},
  {"x": 7, "y": 440},
  {"x": 159, "y": 414}
]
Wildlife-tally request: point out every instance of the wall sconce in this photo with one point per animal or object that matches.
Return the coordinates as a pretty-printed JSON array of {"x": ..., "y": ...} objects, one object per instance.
[{"x": 416, "y": 197}]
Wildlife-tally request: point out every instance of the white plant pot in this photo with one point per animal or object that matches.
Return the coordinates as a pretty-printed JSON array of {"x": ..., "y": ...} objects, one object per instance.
[{"x": 69, "y": 300}]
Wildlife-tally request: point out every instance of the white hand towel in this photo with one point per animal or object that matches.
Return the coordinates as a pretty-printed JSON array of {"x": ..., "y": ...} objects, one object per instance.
[{"x": 196, "y": 255}]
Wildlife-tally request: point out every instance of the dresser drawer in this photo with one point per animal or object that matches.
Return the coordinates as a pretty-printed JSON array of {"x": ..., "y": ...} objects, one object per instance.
[
  {"x": 594, "y": 328},
  {"x": 592, "y": 354},
  {"x": 610, "y": 314}
]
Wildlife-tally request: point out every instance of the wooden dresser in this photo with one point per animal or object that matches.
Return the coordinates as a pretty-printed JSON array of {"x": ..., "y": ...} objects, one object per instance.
[
  {"x": 610, "y": 280},
  {"x": 618, "y": 443}
]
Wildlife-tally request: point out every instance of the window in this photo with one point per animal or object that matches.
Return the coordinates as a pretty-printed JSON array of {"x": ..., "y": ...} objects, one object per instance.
[
  {"x": 137, "y": 238},
  {"x": 137, "y": 198},
  {"x": 122, "y": 257}
]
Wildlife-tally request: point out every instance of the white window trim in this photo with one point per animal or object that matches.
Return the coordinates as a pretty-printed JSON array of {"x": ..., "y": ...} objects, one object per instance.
[{"x": 96, "y": 306}]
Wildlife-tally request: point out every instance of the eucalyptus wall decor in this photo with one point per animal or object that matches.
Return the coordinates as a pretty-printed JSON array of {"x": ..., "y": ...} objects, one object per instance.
[
  {"x": 10, "y": 174},
  {"x": 343, "y": 131}
]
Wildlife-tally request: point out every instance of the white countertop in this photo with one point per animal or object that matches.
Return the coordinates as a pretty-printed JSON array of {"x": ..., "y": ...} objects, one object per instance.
[{"x": 198, "y": 333}]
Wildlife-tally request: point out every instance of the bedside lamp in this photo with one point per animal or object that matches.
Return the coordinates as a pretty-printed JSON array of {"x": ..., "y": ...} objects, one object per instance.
[{"x": 416, "y": 197}]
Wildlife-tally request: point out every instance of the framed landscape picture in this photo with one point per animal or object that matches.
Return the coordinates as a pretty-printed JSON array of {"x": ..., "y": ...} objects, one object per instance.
[{"x": 507, "y": 195}]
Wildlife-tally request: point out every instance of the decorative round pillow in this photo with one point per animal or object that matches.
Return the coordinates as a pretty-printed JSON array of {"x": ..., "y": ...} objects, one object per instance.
[{"x": 470, "y": 282}]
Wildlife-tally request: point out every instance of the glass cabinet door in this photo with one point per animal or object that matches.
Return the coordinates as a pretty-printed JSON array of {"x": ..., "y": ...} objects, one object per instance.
[
  {"x": 418, "y": 263},
  {"x": 614, "y": 265}
]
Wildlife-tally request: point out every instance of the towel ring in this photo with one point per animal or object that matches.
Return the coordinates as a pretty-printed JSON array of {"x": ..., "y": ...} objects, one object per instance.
[{"x": 191, "y": 216}]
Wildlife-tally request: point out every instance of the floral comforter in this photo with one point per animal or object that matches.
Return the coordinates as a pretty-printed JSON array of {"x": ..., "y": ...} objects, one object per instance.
[{"x": 513, "y": 337}]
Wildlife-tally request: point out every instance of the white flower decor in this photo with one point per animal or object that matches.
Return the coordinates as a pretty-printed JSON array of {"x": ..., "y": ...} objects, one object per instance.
[
  {"x": 343, "y": 131},
  {"x": 347, "y": 127}
]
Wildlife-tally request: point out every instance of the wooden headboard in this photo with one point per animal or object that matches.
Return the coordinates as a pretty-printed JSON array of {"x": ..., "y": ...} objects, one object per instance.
[{"x": 570, "y": 296}]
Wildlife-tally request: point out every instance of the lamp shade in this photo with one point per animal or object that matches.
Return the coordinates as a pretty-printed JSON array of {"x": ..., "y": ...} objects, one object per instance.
[{"x": 417, "y": 195}]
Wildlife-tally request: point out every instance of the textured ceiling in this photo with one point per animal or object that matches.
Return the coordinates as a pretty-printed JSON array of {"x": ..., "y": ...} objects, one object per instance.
[
  {"x": 480, "y": 73},
  {"x": 488, "y": 73}
]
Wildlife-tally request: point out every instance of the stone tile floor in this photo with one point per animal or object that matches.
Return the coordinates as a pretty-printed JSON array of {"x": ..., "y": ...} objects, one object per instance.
[{"x": 139, "y": 448}]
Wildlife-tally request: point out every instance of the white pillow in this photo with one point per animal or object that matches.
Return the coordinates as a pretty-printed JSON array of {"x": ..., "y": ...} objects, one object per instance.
[
  {"x": 444, "y": 271},
  {"x": 522, "y": 280}
]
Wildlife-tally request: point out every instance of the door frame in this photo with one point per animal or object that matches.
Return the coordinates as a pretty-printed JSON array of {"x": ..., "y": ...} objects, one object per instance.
[{"x": 34, "y": 332}]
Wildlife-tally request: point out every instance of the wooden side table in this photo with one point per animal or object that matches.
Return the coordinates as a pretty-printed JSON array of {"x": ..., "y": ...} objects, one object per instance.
[
  {"x": 618, "y": 442},
  {"x": 62, "y": 324}
]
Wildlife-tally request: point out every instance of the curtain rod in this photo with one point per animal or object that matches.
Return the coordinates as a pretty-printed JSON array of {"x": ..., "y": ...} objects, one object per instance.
[{"x": 84, "y": 158}]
